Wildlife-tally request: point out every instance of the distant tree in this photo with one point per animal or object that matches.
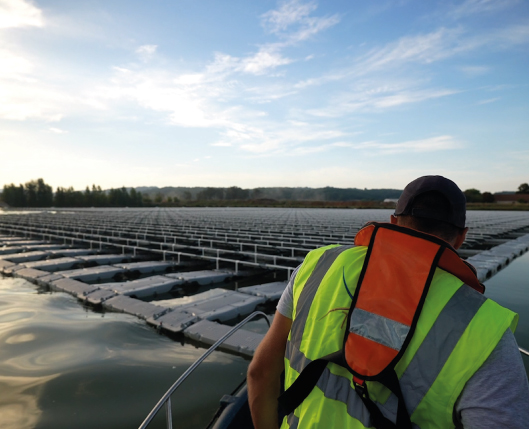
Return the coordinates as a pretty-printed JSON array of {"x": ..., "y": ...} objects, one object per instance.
[
  {"x": 14, "y": 195},
  {"x": 211, "y": 194},
  {"x": 136, "y": 199},
  {"x": 236, "y": 193},
  {"x": 44, "y": 194},
  {"x": 120, "y": 198},
  {"x": 187, "y": 196},
  {"x": 60, "y": 197},
  {"x": 35, "y": 193},
  {"x": 99, "y": 198},
  {"x": 487, "y": 197},
  {"x": 30, "y": 190},
  {"x": 88, "y": 197},
  {"x": 523, "y": 189},
  {"x": 473, "y": 196},
  {"x": 257, "y": 193},
  {"x": 69, "y": 197},
  {"x": 158, "y": 198}
]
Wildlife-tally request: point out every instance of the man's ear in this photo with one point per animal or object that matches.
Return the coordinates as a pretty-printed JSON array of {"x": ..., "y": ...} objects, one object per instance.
[
  {"x": 460, "y": 238},
  {"x": 393, "y": 219}
]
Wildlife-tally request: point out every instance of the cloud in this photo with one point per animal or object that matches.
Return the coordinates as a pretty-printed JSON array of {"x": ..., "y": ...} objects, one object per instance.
[
  {"x": 286, "y": 138},
  {"x": 370, "y": 96},
  {"x": 146, "y": 52},
  {"x": 187, "y": 104},
  {"x": 432, "y": 144},
  {"x": 33, "y": 100},
  {"x": 514, "y": 35},
  {"x": 267, "y": 58},
  {"x": 475, "y": 70},
  {"x": 422, "y": 48},
  {"x": 14, "y": 66},
  {"x": 294, "y": 15},
  {"x": 473, "y": 7},
  {"x": 289, "y": 13},
  {"x": 25, "y": 93},
  {"x": 19, "y": 13},
  {"x": 490, "y": 100},
  {"x": 57, "y": 130}
]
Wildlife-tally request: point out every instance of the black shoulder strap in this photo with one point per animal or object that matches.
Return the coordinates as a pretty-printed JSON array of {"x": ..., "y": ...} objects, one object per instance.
[
  {"x": 302, "y": 386},
  {"x": 307, "y": 380}
]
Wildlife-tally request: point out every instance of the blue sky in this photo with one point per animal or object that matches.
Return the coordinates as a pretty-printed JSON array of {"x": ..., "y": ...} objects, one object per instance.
[{"x": 264, "y": 93}]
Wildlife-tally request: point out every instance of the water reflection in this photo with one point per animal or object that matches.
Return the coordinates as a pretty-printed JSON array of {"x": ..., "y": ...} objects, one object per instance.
[
  {"x": 63, "y": 367},
  {"x": 19, "y": 407},
  {"x": 22, "y": 338},
  {"x": 510, "y": 288}
]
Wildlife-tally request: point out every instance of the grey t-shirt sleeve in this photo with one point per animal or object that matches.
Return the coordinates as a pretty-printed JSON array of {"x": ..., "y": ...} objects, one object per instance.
[
  {"x": 497, "y": 395},
  {"x": 286, "y": 303}
]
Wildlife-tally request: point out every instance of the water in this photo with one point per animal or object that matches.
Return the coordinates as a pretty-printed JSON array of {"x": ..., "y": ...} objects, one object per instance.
[
  {"x": 510, "y": 288},
  {"x": 63, "y": 366}
]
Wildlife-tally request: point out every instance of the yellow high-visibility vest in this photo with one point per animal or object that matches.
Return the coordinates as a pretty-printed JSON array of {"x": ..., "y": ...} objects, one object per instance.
[{"x": 457, "y": 330}]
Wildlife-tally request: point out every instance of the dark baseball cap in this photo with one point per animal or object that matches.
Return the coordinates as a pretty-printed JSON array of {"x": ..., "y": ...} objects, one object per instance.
[{"x": 455, "y": 216}]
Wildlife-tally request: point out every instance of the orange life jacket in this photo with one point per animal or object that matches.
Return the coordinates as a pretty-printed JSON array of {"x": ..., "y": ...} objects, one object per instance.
[{"x": 388, "y": 299}]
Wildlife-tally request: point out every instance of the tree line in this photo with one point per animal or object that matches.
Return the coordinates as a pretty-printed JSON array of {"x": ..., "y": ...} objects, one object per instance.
[
  {"x": 235, "y": 193},
  {"x": 36, "y": 193},
  {"x": 475, "y": 196}
]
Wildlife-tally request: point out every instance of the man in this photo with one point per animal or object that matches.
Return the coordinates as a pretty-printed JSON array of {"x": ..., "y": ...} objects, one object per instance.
[{"x": 462, "y": 367}]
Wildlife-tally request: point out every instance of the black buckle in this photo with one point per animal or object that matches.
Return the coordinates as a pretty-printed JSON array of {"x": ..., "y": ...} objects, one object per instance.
[{"x": 361, "y": 389}]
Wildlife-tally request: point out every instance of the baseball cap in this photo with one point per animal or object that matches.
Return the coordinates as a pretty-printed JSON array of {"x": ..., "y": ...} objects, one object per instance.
[{"x": 455, "y": 216}]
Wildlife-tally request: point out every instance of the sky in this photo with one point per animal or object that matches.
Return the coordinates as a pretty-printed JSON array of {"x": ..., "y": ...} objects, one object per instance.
[{"x": 260, "y": 93}]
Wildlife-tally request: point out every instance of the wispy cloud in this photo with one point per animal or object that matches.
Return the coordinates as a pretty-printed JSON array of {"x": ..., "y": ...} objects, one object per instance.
[
  {"x": 475, "y": 70},
  {"x": 472, "y": 7},
  {"x": 293, "y": 22},
  {"x": 146, "y": 52},
  {"x": 490, "y": 100},
  {"x": 19, "y": 13},
  {"x": 433, "y": 144},
  {"x": 289, "y": 13},
  {"x": 514, "y": 35},
  {"x": 422, "y": 48},
  {"x": 370, "y": 96},
  {"x": 57, "y": 130},
  {"x": 14, "y": 66},
  {"x": 267, "y": 58},
  {"x": 186, "y": 104},
  {"x": 268, "y": 138}
]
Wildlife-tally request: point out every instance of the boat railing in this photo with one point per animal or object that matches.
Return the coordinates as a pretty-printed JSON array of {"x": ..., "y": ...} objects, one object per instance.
[
  {"x": 166, "y": 398},
  {"x": 525, "y": 352}
]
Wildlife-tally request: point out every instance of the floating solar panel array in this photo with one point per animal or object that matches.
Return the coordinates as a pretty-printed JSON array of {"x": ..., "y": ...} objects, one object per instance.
[{"x": 166, "y": 265}]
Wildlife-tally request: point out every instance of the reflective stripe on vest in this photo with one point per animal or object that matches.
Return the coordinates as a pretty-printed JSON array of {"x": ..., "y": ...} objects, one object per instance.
[
  {"x": 293, "y": 421},
  {"x": 311, "y": 287}
]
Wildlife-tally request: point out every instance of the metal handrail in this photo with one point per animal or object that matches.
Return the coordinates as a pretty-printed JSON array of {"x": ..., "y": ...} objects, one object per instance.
[
  {"x": 166, "y": 398},
  {"x": 523, "y": 351}
]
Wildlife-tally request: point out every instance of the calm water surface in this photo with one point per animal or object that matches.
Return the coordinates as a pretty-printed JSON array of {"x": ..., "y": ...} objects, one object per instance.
[{"x": 62, "y": 366}]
